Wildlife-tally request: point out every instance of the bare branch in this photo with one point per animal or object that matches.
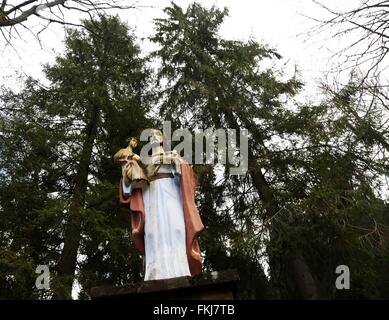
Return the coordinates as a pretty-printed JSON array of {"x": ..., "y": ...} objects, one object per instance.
[
  {"x": 15, "y": 8},
  {"x": 26, "y": 14},
  {"x": 3, "y": 3},
  {"x": 11, "y": 16},
  {"x": 369, "y": 23}
]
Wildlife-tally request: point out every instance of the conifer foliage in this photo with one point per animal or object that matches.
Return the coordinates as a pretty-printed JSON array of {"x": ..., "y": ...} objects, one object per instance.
[{"x": 309, "y": 202}]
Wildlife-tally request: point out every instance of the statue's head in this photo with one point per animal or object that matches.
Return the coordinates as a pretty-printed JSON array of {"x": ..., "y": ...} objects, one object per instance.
[
  {"x": 156, "y": 137},
  {"x": 132, "y": 142}
]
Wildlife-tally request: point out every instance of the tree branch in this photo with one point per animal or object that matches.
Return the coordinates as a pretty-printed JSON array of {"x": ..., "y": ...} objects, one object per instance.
[
  {"x": 15, "y": 8},
  {"x": 26, "y": 14}
]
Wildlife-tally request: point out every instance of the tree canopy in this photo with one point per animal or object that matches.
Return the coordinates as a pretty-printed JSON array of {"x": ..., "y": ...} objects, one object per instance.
[{"x": 313, "y": 197}]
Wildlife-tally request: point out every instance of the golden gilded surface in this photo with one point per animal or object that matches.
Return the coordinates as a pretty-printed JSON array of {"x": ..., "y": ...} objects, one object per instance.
[{"x": 130, "y": 163}]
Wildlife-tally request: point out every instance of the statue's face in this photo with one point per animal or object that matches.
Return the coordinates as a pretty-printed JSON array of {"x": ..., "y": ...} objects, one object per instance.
[
  {"x": 133, "y": 143},
  {"x": 156, "y": 137}
]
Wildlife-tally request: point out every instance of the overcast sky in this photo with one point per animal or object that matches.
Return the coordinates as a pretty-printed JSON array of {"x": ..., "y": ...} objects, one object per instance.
[{"x": 278, "y": 23}]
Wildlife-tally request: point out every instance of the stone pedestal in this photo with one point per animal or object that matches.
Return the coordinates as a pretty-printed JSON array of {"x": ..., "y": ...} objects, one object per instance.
[{"x": 218, "y": 285}]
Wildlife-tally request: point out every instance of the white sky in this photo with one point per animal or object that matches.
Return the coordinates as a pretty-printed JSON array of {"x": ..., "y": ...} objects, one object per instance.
[{"x": 278, "y": 23}]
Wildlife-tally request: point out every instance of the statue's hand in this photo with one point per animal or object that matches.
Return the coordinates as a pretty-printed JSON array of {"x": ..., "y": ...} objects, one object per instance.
[{"x": 136, "y": 157}]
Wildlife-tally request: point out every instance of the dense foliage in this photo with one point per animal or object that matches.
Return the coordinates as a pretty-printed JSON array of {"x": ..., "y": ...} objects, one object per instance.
[{"x": 313, "y": 197}]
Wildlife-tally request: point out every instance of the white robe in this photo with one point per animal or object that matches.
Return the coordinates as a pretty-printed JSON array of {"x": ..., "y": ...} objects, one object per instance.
[{"x": 165, "y": 247}]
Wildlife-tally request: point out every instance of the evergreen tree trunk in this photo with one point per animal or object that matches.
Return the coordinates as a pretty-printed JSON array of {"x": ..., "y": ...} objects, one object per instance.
[
  {"x": 302, "y": 274},
  {"x": 295, "y": 261},
  {"x": 68, "y": 261}
]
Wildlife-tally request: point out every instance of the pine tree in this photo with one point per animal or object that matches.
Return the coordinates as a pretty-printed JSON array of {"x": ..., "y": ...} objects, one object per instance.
[
  {"x": 296, "y": 169},
  {"x": 218, "y": 82},
  {"x": 97, "y": 96},
  {"x": 31, "y": 184}
]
